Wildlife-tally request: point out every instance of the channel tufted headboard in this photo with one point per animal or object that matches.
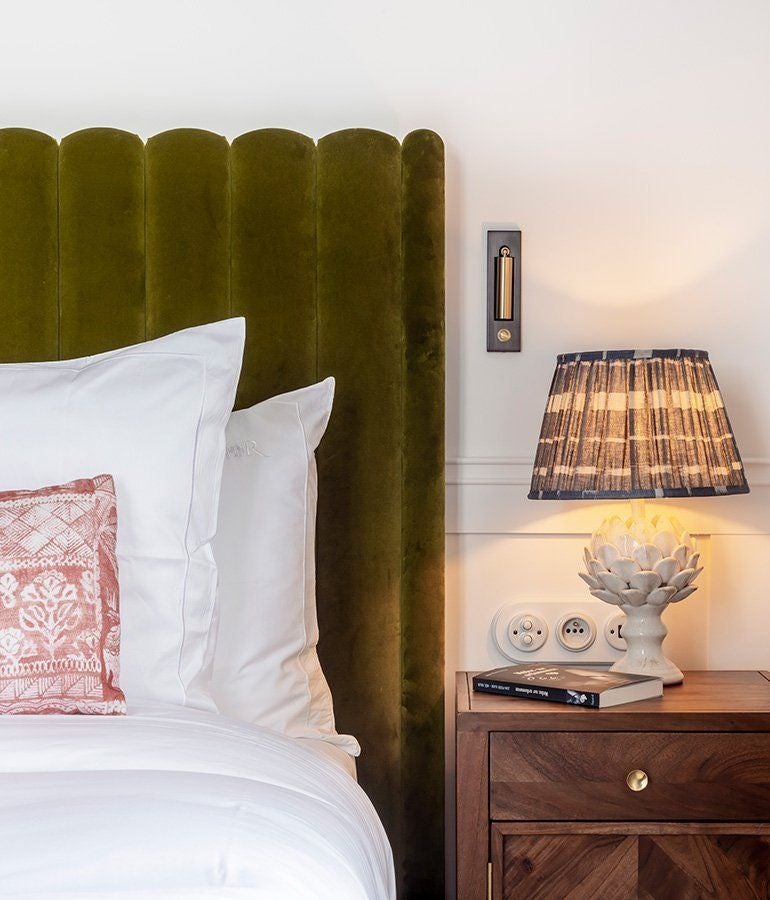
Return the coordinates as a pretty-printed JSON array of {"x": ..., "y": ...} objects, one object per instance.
[{"x": 334, "y": 253}]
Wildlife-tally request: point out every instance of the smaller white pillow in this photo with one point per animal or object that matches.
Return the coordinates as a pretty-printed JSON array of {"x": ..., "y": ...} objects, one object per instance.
[{"x": 266, "y": 669}]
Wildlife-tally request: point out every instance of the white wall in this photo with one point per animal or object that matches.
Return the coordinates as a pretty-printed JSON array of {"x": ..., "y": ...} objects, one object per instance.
[{"x": 629, "y": 141}]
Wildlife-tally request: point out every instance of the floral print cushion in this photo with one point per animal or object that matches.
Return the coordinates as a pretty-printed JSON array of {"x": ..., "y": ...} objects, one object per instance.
[{"x": 59, "y": 600}]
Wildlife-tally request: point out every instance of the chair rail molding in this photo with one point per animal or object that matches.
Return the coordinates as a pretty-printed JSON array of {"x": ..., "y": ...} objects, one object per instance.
[{"x": 488, "y": 495}]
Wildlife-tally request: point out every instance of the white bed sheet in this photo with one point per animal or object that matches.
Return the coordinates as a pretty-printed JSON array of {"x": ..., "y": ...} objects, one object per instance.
[{"x": 173, "y": 802}]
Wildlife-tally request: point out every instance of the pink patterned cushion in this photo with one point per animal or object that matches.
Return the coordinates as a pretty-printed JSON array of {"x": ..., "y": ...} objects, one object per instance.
[{"x": 59, "y": 613}]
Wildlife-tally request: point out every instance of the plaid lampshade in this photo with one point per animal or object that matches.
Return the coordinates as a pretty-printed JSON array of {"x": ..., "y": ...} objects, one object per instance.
[{"x": 635, "y": 423}]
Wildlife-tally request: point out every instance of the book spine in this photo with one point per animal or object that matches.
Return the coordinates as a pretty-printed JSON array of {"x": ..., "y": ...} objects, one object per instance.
[{"x": 536, "y": 692}]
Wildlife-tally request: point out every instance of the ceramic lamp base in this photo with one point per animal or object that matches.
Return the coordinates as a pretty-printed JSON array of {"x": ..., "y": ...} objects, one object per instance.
[
  {"x": 642, "y": 565},
  {"x": 644, "y": 632}
]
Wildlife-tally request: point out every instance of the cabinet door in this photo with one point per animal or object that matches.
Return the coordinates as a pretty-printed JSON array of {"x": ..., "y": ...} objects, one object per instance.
[{"x": 630, "y": 861}]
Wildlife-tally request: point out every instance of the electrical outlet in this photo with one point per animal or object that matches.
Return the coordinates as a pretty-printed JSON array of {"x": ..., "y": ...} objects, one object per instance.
[
  {"x": 555, "y": 632},
  {"x": 576, "y": 631},
  {"x": 613, "y": 631}
]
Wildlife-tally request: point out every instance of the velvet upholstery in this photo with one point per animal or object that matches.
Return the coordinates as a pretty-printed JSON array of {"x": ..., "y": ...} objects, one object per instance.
[
  {"x": 422, "y": 543},
  {"x": 334, "y": 253},
  {"x": 359, "y": 342},
  {"x": 29, "y": 245},
  {"x": 274, "y": 259},
  {"x": 101, "y": 241}
]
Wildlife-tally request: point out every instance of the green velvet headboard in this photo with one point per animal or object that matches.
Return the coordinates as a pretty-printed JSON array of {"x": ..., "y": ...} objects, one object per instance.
[{"x": 334, "y": 253}]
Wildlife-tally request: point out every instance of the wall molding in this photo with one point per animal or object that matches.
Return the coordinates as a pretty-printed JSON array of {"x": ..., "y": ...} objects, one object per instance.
[{"x": 488, "y": 495}]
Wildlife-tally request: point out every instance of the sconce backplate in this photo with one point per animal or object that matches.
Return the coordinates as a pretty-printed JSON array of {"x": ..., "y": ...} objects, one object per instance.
[{"x": 503, "y": 335}]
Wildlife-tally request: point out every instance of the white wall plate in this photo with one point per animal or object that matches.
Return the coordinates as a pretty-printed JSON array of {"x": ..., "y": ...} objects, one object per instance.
[{"x": 557, "y": 615}]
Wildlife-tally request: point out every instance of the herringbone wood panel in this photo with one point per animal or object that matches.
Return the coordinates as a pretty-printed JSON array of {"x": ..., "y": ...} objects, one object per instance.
[
  {"x": 691, "y": 867},
  {"x": 635, "y": 867},
  {"x": 579, "y": 867}
]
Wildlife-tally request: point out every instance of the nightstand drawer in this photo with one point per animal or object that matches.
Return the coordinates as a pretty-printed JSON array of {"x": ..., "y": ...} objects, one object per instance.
[
  {"x": 586, "y": 776},
  {"x": 657, "y": 861}
]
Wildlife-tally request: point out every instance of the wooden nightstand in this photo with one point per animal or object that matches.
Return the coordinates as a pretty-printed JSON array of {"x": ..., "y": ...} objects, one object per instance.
[{"x": 544, "y": 809}]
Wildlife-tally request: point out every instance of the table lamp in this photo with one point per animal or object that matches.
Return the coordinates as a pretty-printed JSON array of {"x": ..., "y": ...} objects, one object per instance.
[{"x": 631, "y": 425}]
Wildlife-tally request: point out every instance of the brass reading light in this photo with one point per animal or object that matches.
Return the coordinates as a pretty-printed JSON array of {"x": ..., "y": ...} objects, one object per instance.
[
  {"x": 504, "y": 285},
  {"x": 504, "y": 291}
]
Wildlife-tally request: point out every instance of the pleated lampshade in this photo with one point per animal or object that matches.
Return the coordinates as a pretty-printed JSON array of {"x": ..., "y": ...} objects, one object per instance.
[{"x": 633, "y": 424}]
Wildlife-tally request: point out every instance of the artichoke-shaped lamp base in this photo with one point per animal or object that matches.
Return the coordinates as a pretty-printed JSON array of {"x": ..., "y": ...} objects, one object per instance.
[
  {"x": 642, "y": 565},
  {"x": 644, "y": 632}
]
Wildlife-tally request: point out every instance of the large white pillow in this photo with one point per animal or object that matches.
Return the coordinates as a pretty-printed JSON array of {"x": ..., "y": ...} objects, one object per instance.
[
  {"x": 266, "y": 668},
  {"x": 153, "y": 416}
]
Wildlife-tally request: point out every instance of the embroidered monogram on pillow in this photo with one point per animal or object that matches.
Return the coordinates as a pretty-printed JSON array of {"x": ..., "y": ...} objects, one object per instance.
[{"x": 59, "y": 600}]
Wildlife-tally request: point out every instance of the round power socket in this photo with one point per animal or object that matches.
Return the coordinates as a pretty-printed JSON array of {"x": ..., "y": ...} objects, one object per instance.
[
  {"x": 576, "y": 631},
  {"x": 613, "y": 631},
  {"x": 527, "y": 632}
]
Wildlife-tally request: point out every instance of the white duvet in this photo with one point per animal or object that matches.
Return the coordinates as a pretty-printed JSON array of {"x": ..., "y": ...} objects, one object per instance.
[{"x": 170, "y": 802}]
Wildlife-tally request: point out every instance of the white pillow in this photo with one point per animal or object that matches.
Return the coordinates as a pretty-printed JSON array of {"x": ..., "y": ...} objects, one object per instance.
[
  {"x": 266, "y": 668},
  {"x": 153, "y": 416}
]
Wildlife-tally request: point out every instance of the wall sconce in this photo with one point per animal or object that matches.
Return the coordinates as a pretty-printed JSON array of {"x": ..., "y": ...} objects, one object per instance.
[{"x": 503, "y": 291}]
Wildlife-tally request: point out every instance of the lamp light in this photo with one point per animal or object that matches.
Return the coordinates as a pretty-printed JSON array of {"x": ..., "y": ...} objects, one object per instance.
[{"x": 637, "y": 424}]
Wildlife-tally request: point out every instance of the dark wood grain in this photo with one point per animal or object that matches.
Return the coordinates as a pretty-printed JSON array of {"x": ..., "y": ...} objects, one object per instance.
[
  {"x": 706, "y": 701},
  {"x": 579, "y": 867},
  {"x": 705, "y": 746},
  {"x": 693, "y": 866},
  {"x": 472, "y": 815},
  {"x": 629, "y": 860},
  {"x": 507, "y": 828},
  {"x": 462, "y": 694},
  {"x": 567, "y": 775}
]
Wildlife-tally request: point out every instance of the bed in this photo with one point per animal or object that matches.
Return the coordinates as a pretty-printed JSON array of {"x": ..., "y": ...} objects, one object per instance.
[
  {"x": 169, "y": 801},
  {"x": 333, "y": 252}
]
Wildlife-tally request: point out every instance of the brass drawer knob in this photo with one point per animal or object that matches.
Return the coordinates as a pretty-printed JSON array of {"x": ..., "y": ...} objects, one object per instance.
[{"x": 637, "y": 780}]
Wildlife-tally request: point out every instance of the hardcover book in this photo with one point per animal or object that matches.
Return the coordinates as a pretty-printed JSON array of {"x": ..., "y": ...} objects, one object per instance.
[{"x": 567, "y": 684}]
